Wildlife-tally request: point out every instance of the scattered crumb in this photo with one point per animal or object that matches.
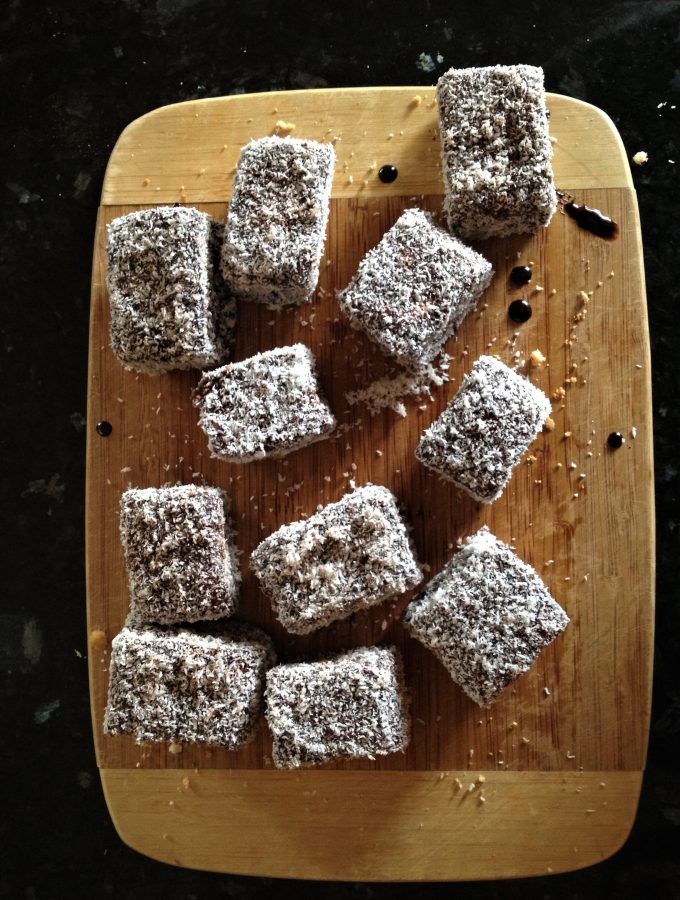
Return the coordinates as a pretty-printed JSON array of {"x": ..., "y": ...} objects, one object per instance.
[
  {"x": 97, "y": 640},
  {"x": 282, "y": 128},
  {"x": 640, "y": 158},
  {"x": 390, "y": 391},
  {"x": 416, "y": 101},
  {"x": 549, "y": 424}
]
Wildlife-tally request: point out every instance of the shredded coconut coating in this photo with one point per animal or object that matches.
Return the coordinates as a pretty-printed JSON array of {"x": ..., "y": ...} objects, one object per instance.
[
  {"x": 180, "y": 554},
  {"x": 496, "y": 151},
  {"x": 170, "y": 684},
  {"x": 349, "y": 706},
  {"x": 414, "y": 289},
  {"x": 486, "y": 617},
  {"x": 276, "y": 225},
  {"x": 169, "y": 306},
  {"x": 351, "y": 555},
  {"x": 267, "y": 405},
  {"x": 483, "y": 432}
]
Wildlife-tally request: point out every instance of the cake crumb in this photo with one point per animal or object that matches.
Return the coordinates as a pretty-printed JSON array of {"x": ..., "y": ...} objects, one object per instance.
[
  {"x": 536, "y": 358},
  {"x": 640, "y": 158},
  {"x": 282, "y": 128},
  {"x": 174, "y": 748},
  {"x": 416, "y": 101},
  {"x": 97, "y": 640},
  {"x": 549, "y": 424}
]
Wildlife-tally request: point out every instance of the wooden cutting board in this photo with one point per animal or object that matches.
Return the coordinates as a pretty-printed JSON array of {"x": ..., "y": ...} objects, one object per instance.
[{"x": 563, "y": 751}]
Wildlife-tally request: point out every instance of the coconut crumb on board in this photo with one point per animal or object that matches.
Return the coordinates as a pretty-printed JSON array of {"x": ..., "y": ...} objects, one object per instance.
[{"x": 391, "y": 390}]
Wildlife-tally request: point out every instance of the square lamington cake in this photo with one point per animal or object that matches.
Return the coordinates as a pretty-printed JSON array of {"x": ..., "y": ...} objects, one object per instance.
[
  {"x": 169, "y": 306},
  {"x": 350, "y": 555},
  {"x": 170, "y": 684},
  {"x": 414, "y": 289},
  {"x": 496, "y": 151},
  {"x": 350, "y": 706},
  {"x": 481, "y": 435},
  {"x": 486, "y": 617},
  {"x": 276, "y": 225},
  {"x": 180, "y": 554},
  {"x": 267, "y": 405}
]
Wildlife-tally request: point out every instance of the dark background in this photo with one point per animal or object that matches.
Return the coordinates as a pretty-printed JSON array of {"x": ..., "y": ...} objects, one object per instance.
[{"x": 73, "y": 75}]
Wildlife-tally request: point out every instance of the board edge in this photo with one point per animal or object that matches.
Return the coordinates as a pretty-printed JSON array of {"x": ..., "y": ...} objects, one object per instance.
[{"x": 401, "y": 865}]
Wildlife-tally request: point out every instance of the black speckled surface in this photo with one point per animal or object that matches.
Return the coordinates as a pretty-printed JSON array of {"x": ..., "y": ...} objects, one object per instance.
[{"x": 73, "y": 74}]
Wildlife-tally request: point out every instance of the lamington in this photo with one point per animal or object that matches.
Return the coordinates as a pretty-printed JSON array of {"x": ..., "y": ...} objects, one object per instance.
[
  {"x": 349, "y": 706},
  {"x": 180, "y": 553},
  {"x": 350, "y": 555},
  {"x": 481, "y": 435},
  {"x": 496, "y": 151},
  {"x": 414, "y": 288},
  {"x": 169, "y": 305},
  {"x": 276, "y": 225},
  {"x": 171, "y": 684},
  {"x": 266, "y": 405},
  {"x": 486, "y": 616}
]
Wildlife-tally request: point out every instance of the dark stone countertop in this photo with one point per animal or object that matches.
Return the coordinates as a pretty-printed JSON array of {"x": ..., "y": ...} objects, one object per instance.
[{"x": 73, "y": 75}]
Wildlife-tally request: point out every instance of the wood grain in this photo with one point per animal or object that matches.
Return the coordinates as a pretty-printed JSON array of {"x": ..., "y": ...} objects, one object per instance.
[
  {"x": 380, "y": 826},
  {"x": 585, "y": 705}
]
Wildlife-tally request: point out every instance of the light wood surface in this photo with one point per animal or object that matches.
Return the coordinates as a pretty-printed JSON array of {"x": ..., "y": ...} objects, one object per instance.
[{"x": 581, "y": 715}]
